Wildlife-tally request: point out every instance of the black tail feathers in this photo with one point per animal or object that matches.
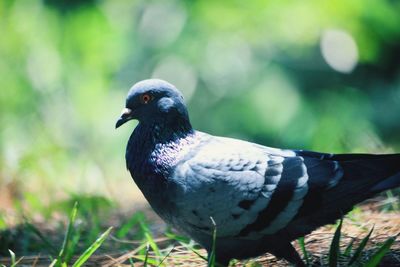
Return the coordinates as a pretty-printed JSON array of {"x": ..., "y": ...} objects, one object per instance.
[
  {"x": 384, "y": 169},
  {"x": 389, "y": 183},
  {"x": 381, "y": 171}
]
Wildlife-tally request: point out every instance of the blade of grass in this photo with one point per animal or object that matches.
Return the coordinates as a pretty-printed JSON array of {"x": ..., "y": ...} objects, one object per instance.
[
  {"x": 361, "y": 247},
  {"x": 176, "y": 237},
  {"x": 90, "y": 250},
  {"x": 73, "y": 244},
  {"x": 18, "y": 261},
  {"x": 53, "y": 263},
  {"x": 212, "y": 256},
  {"x": 12, "y": 254},
  {"x": 14, "y": 262},
  {"x": 131, "y": 262},
  {"x": 146, "y": 255},
  {"x": 395, "y": 205},
  {"x": 349, "y": 247},
  {"x": 68, "y": 235},
  {"x": 192, "y": 250},
  {"x": 303, "y": 248},
  {"x": 153, "y": 244},
  {"x": 92, "y": 234},
  {"x": 376, "y": 258},
  {"x": 166, "y": 256},
  {"x": 149, "y": 238},
  {"x": 334, "y": 250}
]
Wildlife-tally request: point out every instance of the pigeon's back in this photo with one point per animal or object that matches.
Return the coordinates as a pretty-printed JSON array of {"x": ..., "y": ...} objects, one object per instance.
[{"x": 256, "y": 193}]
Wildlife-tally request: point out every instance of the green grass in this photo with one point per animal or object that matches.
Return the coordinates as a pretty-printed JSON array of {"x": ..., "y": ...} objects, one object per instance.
[
  {"x": 376, "y": 258},
  {"x": 304, "y": 250},
  {"x": 212, "y": 256},
  {"x": 90, "y": 250},
  {"x": 334, "y": 249},
  {"x": 348, "y": 257},
  {"x": 360, "y": 248},
  {"x": 85, "y": 235}
]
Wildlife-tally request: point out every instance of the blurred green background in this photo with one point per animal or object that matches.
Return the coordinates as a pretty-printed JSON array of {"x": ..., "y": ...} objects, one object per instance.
[{"x": 318, "y": 75}]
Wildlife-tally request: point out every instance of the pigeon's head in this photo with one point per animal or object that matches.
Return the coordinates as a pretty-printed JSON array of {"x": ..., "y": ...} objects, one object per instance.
[{"x": 153, "y": 101}]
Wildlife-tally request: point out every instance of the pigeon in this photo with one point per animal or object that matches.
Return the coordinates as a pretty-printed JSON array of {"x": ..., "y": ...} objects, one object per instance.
[{"x": 257, "y": 199}]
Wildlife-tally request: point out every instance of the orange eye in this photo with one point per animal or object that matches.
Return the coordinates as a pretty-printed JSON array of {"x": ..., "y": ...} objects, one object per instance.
[{"x": 146, "y": 98}]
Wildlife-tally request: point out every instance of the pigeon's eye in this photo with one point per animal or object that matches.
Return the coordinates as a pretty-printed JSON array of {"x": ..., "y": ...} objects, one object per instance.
[{"x": 145, "y": 98}]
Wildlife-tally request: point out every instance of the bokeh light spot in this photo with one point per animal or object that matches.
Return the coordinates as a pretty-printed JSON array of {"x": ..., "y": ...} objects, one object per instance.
[
  {"x": 44, "y": 68},
  {"x": 276, "y": 100},
  {"x": 227, "y": 64},
  {"x": 162, "y": 23},
  {"x": 179, "y": 73},
  {"x": 339, "y": 50}
]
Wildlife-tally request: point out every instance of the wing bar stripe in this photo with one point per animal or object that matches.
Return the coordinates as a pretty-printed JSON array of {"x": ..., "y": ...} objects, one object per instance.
[{"x": 281, "y": 197}]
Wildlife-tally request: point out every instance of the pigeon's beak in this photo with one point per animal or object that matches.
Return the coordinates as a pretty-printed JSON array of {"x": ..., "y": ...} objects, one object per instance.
[{"x": 126, "y": 115}]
